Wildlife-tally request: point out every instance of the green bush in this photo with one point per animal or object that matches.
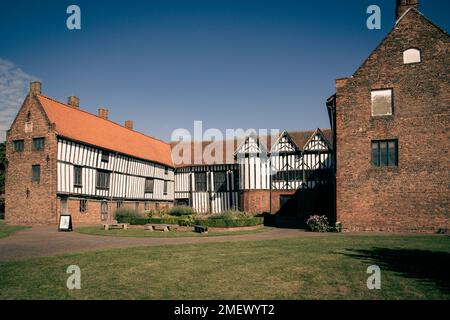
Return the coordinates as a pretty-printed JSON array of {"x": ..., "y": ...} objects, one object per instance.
[
  {"x": 181, "y": 211},
  {"x": 124, "y": 213},
  {"x": 229, "y": 223},
  {"x": 2, "y": 215}
]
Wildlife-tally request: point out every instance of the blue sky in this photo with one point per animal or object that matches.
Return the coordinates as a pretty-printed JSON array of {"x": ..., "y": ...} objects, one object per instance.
[{"x": 164, "y": 64}]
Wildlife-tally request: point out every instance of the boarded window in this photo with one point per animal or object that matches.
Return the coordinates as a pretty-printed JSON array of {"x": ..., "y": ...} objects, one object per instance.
[
  {"x": 220, "y": 181},
  {"x": 83, "y": 205},
  {"x": 411, "y": 56},
  {"x": 200, "y": 181},
  {"x": 18, "y": 145},
  {"x": 385, "y": 153},
  {"x": 102, "y": 181},
  {"x": 149, "y": 185},
  {"x": 77, "y": 176},
  {"x": 38, "y": 143},
  {"x": 165, "y": 187},
  {"x": 381, "y": 102},
  {"x": 36, "y": 173}
]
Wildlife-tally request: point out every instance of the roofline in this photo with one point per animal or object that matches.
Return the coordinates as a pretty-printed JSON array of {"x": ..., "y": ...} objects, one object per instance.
[
  {"x": 113, "y": 151},
  {"x": 113, "y": 122}
]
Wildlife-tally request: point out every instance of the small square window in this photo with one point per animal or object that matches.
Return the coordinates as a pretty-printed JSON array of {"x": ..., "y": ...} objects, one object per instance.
[
  {"x": 382, "y": 102},
  {"x": 385, "y": 153},
  {"x": 18, "y": 145},
  {"x": 38, "y": 143},
  {"x": 105, "y": 156}
]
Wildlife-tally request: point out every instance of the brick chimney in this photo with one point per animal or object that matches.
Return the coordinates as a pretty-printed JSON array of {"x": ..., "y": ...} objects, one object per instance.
[
  {"x": 129, "y": 124},
  {"x": 35, "y": 87},
  {"x": 103, "y": 113},
  {"x": 73, "y": 101},
  {"x": 403, "y": 6}
]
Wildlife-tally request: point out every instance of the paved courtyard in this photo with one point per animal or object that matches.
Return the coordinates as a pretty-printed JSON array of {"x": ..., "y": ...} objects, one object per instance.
[{"x": 41, "y": 241}]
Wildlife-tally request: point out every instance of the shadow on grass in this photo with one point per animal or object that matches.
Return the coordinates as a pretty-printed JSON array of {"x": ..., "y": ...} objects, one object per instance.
[{"x": 429, "y": 266}]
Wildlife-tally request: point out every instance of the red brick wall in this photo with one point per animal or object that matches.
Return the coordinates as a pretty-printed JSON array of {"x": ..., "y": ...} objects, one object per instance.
[
  {"x": 414, "y": 196},
  {"x": 39, "y": 206},
  {"x": 258, "y": 201}
]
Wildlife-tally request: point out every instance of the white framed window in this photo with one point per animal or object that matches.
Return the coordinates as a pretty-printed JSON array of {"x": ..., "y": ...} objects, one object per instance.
[
  {"x": 382, "y": 103},
  {"x": 412, "y": 55}
]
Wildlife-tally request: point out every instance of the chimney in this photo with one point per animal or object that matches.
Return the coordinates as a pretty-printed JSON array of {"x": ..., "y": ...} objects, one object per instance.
[
  {"x": 129, "y": 124},
  {"x": 403, "y": 6},
  {"x": 35, "y": 87},
  {"x": 73, "y": 101},
  {"x": 103, "y": 113}
]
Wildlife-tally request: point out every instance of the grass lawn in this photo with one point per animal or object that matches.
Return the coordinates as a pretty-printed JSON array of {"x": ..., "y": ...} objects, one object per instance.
[
  {"x": 319, "y": 267},
  {"x": 159, "y": 234},
  {"x": 6, "y": 230}
]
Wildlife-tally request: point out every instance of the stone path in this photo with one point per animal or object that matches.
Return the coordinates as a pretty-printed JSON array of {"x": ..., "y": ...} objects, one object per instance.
[{"x": 43, "y": 241}]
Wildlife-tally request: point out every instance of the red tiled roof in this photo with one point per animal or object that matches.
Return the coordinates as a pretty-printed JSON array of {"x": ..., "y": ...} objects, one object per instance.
[{"x": 83, "y": 126}]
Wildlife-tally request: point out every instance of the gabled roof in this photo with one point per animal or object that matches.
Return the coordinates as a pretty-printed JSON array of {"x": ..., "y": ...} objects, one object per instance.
[
  {"x": 300, "y": 138},
  {"x": 85, "y": 127},
  {"x": 397, "y": 25}
]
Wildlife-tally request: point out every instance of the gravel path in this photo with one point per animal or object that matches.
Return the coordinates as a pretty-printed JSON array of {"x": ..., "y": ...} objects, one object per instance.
[{"x": 41, "y": 241}]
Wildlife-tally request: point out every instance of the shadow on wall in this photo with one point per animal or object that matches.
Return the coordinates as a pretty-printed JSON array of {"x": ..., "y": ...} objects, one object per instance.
[
  {"x": 305, "y": 203},
  {"x": 428, "y": 266}
]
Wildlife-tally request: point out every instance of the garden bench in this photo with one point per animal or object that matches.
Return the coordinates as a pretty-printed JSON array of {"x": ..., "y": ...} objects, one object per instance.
[
  {"x": 109, "y": 226},
  {"x": 201, "y": 229},
  {"x": 157, "y": 227}
]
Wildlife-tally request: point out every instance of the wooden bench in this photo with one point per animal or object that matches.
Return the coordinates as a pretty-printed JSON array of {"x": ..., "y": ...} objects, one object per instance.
[
  {"x": 201, "y": 229},
  {"x": 115, "y": 225},
  {"x": 157, "y": 227}
]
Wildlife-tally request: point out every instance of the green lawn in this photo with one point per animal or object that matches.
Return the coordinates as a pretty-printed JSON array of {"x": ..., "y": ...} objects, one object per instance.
[
  {"x": 6, "y": 230},
  {"x": 159, "y": 234},
  {"x": 319, "y": 267}
]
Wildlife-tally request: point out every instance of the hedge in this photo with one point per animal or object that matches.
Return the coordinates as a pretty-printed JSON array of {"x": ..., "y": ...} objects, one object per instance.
[
  {"x": 230, "y": 223},
  {"x": 142, "y": 221}
]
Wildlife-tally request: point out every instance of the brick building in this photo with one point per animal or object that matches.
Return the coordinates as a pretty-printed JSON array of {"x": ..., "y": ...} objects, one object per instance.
[
  {"x": 65, "y": 160},
  {"x": 391, "y": 123}
]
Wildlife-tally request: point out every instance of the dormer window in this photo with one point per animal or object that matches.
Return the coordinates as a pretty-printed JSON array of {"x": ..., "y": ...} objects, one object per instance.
[
  {"x": 411, "y": 56},
  {"x": 382, "y": 102}
]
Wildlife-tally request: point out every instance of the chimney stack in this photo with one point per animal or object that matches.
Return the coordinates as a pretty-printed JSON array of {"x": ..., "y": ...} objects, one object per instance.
[
  {"x": 103, "y": 113},
  {"x": 403, "y": 5},
  {"x": 73, "y": 101},
  {"x": 129, "y": 124},
  {"x": 35, "y": 87}
]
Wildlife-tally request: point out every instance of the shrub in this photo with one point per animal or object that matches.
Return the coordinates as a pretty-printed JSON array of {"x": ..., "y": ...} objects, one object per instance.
[
  {"x": 124, "y": 213},
  {"x": 181, "y": 211},
  {"x": 230, "y": 223},
  {"x": 230, "y": 215},
  {"x": 2, "y": 215},
  {"x": 318, "y": 223},
  {"x": 337, "y": 227}
]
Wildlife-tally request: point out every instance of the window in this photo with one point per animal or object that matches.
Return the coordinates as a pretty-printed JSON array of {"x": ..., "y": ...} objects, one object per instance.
[
  {"x": 18, "y": 145},
  {"x": 220, "y": 181},
  {"x": 165, "y": 187},
  {"x": 200, "y": 181},
  {"x": 381, "y": 102},
  {"x": 146, "y": 206},
  {"x": 102, "y": 180},
  {"x": 83, "y": 205},
  {"x": 411, "y": 56},
  {"x": 36, "y": 173},
  {"x": 38, "y": 143},
  {"x": 136, "y": 206},
  {"x": 105, "y": 156},
  {"x": 77, "y": 176},
  {"x": 385, "y": 153},
  {"x": 236, "y": 180},
  {"x": 149, "y": 185},
  {"x": 119, "y": 204},
  {"x": 166, "y": 170}
]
